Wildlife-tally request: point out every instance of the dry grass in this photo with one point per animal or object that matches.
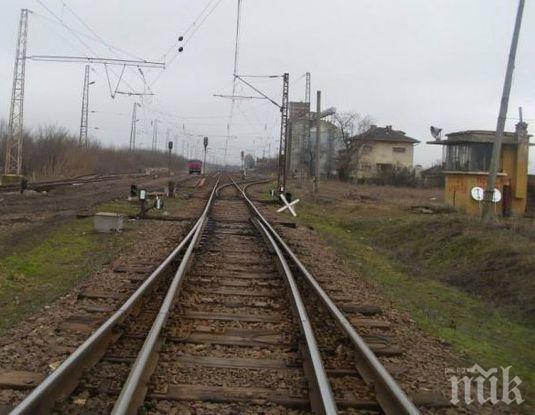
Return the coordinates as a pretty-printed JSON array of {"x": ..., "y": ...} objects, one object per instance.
[{"x": 52, "y": 152}]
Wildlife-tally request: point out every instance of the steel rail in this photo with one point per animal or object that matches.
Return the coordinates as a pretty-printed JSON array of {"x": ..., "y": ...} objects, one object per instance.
[
  {"x": 321, "y": 395},
  {"x": 390, "y": 396},
  {"x": 134, "y": 389},
  {"x": 64, "y": 379},
  {"x": 246, "y": 181},
  {"x": 66, "y": 182}
]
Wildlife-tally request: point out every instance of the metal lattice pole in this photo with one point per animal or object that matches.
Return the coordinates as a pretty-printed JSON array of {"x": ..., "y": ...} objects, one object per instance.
[
  {"x": 281, "y": 178},
  {"x": 13, "y": 161},
  {"x": 306, "y": 131},
  {"x": 84, "y": 120},
  {"x": 318, "y": 143},
  {"x": 133, "y": 126}
]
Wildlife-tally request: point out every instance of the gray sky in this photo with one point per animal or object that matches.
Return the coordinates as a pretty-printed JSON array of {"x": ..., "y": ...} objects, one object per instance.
[{"x": 408, "y": 63}]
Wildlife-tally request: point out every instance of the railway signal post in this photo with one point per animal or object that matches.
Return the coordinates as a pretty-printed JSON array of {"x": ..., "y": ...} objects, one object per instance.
[{"x": 205, "y": 143}]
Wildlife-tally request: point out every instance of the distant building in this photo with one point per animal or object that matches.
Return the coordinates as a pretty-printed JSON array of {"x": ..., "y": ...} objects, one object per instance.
[
  {"x": 302, "y": 136},
  {"x": 433, "y": 176},
  {"x": 466, "y": 167},
  {"x": 382, "y": 149}
]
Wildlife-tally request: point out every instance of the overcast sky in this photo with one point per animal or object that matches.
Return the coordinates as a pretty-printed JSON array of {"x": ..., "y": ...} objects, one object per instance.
[{"x": 406, "y": 63}]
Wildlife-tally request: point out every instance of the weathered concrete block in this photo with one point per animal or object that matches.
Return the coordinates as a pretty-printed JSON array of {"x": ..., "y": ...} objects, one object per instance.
[{"x": 108, "y": 222}]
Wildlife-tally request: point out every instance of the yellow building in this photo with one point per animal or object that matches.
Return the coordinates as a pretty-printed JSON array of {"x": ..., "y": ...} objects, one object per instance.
[
  {"x": 467, "y": 157},
  {"x": 383, "y": 149}
]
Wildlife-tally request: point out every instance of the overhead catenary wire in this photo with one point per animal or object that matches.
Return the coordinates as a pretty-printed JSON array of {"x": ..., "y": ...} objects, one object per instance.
[
  {"x": 110, "y": 47},
  {"x": 234, "y": 73},
  {"x": 76, "y": 34},
  {"x": 99, "y": 38}
]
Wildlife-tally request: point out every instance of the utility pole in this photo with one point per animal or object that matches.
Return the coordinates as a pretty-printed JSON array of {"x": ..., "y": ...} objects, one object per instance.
[
  {"x": 84, "y": 121},
  {"x": 318, "y": 139},
  {"x": 168, "y": 135},
  {"x": 306, "y": 131},
  {"x": 497, "y": 145},
  {"x": 289, "y": 139},
  {"x": 154, "y": 134},
  {"x": 133, "y": 126},
  {"x": 281, "y": 178},
  {"x": 13, "y": 161}
]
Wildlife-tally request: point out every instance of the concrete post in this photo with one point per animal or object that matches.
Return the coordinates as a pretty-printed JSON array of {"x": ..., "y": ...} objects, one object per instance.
[
  {"x": 318, "y": 140},
  {"x": 500, "y": 128}
]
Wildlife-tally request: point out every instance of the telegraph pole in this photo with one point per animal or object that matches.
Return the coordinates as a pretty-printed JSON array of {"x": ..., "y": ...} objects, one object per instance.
[
  {"x": 318, "y": 139},
  {"x": 154, "y": 134},
  {"x": 133, "y": 126},
  {"x": 283, "y": 143},
  {"x": 84, "y": 121},
  {"x": 13, "y": 161},
  {"x": 497, "y": 145}
]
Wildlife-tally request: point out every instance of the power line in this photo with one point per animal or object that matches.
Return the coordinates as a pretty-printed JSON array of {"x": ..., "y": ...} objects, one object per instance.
[
  {"x": 98, "y": 37},
  {"x": 110, "y": 47},
  {"x": 177, "y": 52},
  {"x": 235, "y": 72},
  {"x": 174, "y": 45},
  {"x": 73, "y": 32}
]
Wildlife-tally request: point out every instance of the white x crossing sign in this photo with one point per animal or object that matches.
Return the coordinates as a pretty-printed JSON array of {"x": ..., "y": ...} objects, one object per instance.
[{"x": 289, "y": 206}]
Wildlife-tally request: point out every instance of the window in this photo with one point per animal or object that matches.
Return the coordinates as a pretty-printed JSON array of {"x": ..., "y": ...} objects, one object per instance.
[
  {"x": 399, "y": 149},
  {"x": 468, "y": 157},
  {"x": 384, "y": 167},
  {"x": 365, "y": 166},
  {"x": 367, "y": 148}
]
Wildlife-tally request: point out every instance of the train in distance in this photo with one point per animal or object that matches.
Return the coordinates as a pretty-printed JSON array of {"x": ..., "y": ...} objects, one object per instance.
[{"x": 194, "y": 166}]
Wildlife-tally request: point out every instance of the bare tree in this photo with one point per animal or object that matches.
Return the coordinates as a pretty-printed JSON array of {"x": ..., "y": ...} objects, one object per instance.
[
  {"x": 350, "y": 127},
  {"x": 53, "y": 152}
]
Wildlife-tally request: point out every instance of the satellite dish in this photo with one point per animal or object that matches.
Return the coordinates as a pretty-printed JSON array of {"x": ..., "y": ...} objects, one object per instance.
[{"x": 436, "y": 133}]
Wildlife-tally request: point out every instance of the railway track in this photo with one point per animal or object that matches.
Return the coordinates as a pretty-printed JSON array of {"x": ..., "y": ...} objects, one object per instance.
[
  {"x": 50, "y": 184},
  {"x": 230, "y": 322}
]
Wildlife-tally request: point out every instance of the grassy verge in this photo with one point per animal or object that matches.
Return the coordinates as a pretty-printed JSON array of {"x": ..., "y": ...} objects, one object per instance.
[
  {"x": 45, "y": 267},
  {"x": 45, "y": 264},
  {"x": 475, "y": 329}
]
